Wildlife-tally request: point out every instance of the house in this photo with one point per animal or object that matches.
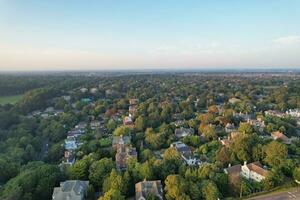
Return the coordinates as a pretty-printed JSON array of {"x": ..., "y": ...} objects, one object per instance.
[
  {"x": 83, "y": 90},
  {"x": 234, "y": 100},
  {"x": 49, "y": 110},
  {"x": 66, "y": 98},
  {"x": 69, "y": 157},
  {"x": 183, "y": 132},
  {"x": 252, "y": 171},
  {"x": 257, "y": 124},
  {"x": 124, "y": 153},
  {"x": 121, "y": 139},
  {"x": 110, "y": 92},
  {"x": 145, "y": 188},
  {"x": 71, "y": 190},
  {"x": 275, "y": 113},
  {"x": 185, "y": 152},
  {"x": 133, "y": 101},
  {"x": 227, "y": 141},
  {"x": 294, "y": 112},
  {"x": 76, "y": 132},
  {"x": 277, "y": 135},
  {"x": 229, "y": 128},
  {"x": 95, "y": 124},
  {"x": 242, "y": 116},
  {"x": 81, "y": 125},
  {"x": 70, "y": 143},
  {"x": 93, "y": 90},
  {"x": 132, "y": 110},
  {"x": 178, "y": 123},
  {"x": 128, "y": 121}
]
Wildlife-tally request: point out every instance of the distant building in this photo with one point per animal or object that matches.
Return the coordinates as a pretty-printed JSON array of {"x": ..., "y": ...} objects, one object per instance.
[
  {"x": 277, "y": 135},
  {"x": 83, "y": 90},
  {"x": 229, "y": 128},
  {"x": 128, "y": 121},
  {"x": 71, "y": 190},
  {"x": 227, "y": 141},
  {"x": 70, "y": 143},
  {"x": 183, "y": 132},
  {"x": 133, "y": 101},
  {"x": 148, "y": 188},
  {"x": 81, "y": 125},
  {"x": 95, "y": 124},
  {"x": 252, "y": 171},
  {"x": 93, "y": 90},
  {"x": 257, "y": 124},
  {"x": 234, "y": 100},
  {"x": 132, "y": 110},
  {"x": 124, "y": 152},
  {"x": 185, "y": 152},
  {"x": 67, "y": 98},
  {"x": 242, "y": 116},
  {"x": 179, "y": 123},
  {"x": 121, "y": 139},
  {"x": 69, "y": 157},
  {"x": 293, "y": 112},
  {"x": 275, "y": 113}
]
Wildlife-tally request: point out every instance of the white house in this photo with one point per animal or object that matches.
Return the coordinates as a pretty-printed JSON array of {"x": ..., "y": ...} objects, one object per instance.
[
  {"x": 185, "y": 152},
  {"x": 252, "y": 171}
]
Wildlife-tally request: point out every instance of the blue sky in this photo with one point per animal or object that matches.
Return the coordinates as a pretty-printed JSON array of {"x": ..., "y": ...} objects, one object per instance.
[{"x": 136, "y": 34}]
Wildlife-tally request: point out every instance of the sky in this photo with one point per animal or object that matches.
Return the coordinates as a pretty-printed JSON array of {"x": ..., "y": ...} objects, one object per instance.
[{"x": 148, "y": 34}]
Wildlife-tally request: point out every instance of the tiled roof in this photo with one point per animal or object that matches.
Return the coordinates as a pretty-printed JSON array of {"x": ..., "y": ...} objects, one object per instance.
[{"x": 257, "y": 167}]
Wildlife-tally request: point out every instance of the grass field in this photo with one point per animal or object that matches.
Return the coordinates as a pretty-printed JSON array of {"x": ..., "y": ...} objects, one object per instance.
[{"x": 10, "y": 99}]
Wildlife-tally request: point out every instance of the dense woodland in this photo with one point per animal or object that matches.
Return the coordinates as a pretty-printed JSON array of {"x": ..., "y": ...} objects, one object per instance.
[{"x": 31, "y": 148}]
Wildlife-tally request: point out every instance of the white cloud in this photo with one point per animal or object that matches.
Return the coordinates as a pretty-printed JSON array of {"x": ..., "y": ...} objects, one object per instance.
[{"x": 288, "y": 40}]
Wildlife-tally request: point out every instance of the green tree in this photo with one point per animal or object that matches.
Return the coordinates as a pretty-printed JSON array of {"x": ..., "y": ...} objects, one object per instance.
[
  {"x": 99, "y": 170},
  {"x": 273, "y": 179},
  {"x": 276, "y": 154},
  {"x": 209, "y": 132},
  {"x": 114, "y": 181},
  {"x": 112, "y": 194},
  {"x": 176, "y": 188},
  {"x": 80, "y": 170},
  {"x": 33, "y": 183},
  {"x": 296, "y": 175},
  {"x": 140, "y": 123},
  {"x": 210, "y": 190},
  {"x": 246, "y": 128},
  {"x": 111, "y": 125},
  {"x": 8, "y": 170},
  {"x": 122, "y": 130}
]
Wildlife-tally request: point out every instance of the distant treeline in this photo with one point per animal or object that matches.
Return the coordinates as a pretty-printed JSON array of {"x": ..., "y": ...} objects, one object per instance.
[{"x": 15, "y": 84}]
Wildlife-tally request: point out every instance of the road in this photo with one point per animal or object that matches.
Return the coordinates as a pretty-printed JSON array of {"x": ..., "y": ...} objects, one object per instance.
[{"x": 291, "y": 194}]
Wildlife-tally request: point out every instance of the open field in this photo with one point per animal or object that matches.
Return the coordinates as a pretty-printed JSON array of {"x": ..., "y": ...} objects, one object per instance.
[{"x": 10, "y": 99}]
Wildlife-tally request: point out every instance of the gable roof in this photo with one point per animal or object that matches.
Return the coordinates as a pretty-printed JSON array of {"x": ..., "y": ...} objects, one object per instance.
[
  {"x": 144, "y": 188},
  {"x": 280, "y": 136},
  {"x": 257, "y": 167},
  {"x": 72, "y": 189},
  {"x": 235, "y": 169}
]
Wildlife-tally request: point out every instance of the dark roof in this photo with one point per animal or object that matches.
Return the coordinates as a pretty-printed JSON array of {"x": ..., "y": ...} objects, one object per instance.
[{"x": 234, "y": 169}]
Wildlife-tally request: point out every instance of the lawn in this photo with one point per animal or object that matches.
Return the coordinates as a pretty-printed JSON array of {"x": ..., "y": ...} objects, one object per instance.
[
  {"x": 105, "y": 142},
  {"x": 10, "y": 99}
]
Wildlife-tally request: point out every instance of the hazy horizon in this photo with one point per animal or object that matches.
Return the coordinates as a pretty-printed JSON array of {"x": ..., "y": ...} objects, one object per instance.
[{"x": 154, "y": 35}]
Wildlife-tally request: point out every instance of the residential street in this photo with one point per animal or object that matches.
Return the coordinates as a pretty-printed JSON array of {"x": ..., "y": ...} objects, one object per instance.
[{"x": 294, "y": 193}]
